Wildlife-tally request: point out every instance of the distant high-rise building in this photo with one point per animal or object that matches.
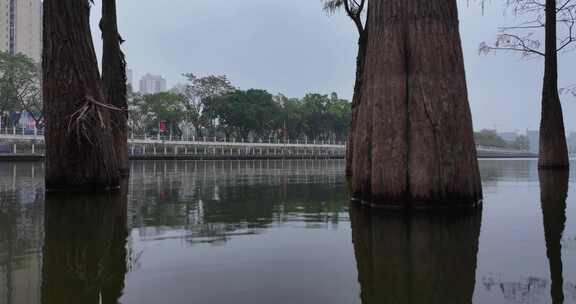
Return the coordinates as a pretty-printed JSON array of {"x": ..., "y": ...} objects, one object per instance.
[
  {"x": 534, "y": 141},
  {"x": 152, "y": 84},
  {"x": 21, "y": 27}
]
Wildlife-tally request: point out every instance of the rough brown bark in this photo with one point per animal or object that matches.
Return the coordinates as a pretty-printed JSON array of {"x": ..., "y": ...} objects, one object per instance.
[
  {"x": 553, "y": 194},
  {"x": 413, "y": 142},
  {"x": 84, "y": 255},
  {"x": 360, "y": 64},
  {"x": 553, "y": 147},
  {"x": 114, "y": 79},
  {"x": 79, "y": 151},
  {"x": 412, "y": 259}
]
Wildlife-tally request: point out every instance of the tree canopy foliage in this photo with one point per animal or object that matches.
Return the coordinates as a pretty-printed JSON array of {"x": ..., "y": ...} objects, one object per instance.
[
  {"x": 20, "y": 88},
  {"x": 490, "y": 138},
  {"x": 211, "y": 106}
]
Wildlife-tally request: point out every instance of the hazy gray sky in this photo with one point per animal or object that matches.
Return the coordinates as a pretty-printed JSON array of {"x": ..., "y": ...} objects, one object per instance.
[{"x": 292, "y": 47}]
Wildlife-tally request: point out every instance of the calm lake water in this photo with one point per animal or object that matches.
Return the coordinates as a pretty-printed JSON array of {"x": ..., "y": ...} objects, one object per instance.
[{"x": 282, "y": 232}]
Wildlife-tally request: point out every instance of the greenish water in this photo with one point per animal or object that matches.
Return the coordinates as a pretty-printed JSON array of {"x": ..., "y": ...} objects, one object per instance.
[{"x": 281, "y": 232}]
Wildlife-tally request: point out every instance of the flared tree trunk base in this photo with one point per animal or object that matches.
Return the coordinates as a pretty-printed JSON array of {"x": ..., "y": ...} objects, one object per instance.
[
  {"x": 79, "y": 143},
  {"x": 413, "y": 144}
]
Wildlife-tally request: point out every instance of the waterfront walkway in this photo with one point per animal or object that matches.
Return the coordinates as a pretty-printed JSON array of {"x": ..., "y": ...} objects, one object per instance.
[{"x": 17, "y": 144}]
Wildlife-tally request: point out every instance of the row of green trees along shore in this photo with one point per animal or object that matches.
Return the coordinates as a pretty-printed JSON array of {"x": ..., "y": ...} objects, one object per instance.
[{"x": 228, "y": 112}]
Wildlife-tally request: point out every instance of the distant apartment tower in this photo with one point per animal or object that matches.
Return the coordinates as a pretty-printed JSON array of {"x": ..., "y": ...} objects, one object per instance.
[
  {"x": 152, "y": 84},
  {"x": 21, "y": 27}
]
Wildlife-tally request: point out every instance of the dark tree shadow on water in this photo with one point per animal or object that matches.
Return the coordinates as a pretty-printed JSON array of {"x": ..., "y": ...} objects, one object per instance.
[
  {"x": 84, "y": 258},
  {"x": 418, "y": 258},
  {"x": 553, "y": 194}
]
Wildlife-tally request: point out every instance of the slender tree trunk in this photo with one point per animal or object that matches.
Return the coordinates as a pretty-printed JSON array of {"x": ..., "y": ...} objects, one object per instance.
[
  {"x": 553, "y": 148},
  {"x": 553, "y": 194},
  {"x": 413, "y": 141},
  {"x": 360, "y": 63},
  {"x": 79, "y": 151},
  {"x": 114, "y": 78}
]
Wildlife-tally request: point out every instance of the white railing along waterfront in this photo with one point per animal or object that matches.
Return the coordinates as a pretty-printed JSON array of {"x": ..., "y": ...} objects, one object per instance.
[
  {"x": 28, "y": 141},
  {"x": 170, "y": 144},
  {"x": 28, "y": 134}
]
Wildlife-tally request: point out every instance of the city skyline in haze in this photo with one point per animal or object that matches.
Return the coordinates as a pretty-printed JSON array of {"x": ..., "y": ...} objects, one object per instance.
[{"x": 294, "y": 48}]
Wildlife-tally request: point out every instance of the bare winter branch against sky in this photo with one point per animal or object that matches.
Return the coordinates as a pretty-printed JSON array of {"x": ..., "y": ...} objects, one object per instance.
[{"x": 295, "y": 47}]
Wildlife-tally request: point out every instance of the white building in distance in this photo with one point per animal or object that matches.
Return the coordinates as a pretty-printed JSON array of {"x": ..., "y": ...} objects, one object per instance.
[
  {"x": 21, "y": 27},
  {"x": 152, "y": 84}
]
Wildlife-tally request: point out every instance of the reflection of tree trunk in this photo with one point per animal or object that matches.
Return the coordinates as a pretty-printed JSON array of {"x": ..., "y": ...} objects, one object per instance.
[
  {"x": 79, "y": 147},
  {"x": 413, "y": 141},
  {"x": 84, "y": 257},
  {"x": 426, "y": 258},
  {"x": 10, "y": 223},
  {"x": 114, "y": 78},
  {"x": 553, "y": 148},
  {"x": 553, "y": 194}
]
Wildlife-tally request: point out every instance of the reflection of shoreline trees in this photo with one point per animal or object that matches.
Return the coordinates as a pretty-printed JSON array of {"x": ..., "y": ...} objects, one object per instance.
[
  {"x": 493, "y": 170},
  {"x": 213, "y": 201},
  {"x": 524, "y": 291},
  {"x": 421, "y": 258},
  {"x": 84, "y": 257},
  {"x": 20, "y": 235}
]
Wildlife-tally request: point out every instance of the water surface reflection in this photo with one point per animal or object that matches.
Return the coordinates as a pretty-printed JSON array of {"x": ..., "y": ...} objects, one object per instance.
[
  {"x": 553, "y": 194},
  {"x": 84, "y": 256},
  {"x": 281, "y": 232},
  {"x": 422, "y": 258}
]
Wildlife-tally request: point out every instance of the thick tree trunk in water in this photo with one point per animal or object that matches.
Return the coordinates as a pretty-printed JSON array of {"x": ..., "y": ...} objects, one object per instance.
[
  {"x": 79, "y": 151},
  {"x": 114, "y": 78},
  {"x": 360, "y": 63},
  {"x": 553, "y": 148},
  {"x": 413, "y": 141}
]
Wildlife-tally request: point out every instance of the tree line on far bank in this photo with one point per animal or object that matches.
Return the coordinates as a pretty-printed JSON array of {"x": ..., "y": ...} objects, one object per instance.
[
  {"x": 236, "y": 114},
  {"x": 210, "y": 106},
  {"x": 490, "y": 138}
]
